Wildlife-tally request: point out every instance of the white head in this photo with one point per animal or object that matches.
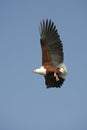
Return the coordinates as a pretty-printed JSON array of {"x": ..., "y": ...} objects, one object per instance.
[{"x": 41, "y": 71}]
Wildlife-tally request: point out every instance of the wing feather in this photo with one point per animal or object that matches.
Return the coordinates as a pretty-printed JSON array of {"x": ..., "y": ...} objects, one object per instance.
[
  {"x": 50, "y": 81},
  {"x": 50, "y": 37}
]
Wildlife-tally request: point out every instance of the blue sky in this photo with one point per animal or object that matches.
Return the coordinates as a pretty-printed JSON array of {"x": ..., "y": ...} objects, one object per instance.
[{"x": 25, "y": 103}]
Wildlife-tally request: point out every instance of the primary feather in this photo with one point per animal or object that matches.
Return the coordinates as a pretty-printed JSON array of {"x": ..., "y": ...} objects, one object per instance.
[{"x": 50, "y": 37}]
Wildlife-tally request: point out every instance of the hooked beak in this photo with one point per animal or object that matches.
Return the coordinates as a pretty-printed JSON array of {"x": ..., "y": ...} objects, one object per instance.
[{"x": 34, "y": 71}]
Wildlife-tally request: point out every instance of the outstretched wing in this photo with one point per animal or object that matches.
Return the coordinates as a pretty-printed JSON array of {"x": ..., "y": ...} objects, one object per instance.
[{"x": 52, "y": 49}]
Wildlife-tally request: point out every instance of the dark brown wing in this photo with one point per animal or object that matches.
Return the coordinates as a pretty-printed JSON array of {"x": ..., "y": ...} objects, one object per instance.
[
  {"x": 52, "y": 49},
  {"x": 46, "y": 58},
  {"x": 50, "y": 81}
]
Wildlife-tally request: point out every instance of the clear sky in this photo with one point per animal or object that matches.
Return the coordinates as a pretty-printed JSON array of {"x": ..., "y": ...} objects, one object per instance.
[{"x": 25, "y": 103}]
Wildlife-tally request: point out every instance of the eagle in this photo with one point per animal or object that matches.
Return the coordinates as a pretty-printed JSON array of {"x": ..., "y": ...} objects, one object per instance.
[{"x": 53, "y": 69}]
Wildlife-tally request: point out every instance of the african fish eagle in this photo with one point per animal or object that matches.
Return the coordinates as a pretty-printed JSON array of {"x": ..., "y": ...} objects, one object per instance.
[{"x": 53, "y": 69}]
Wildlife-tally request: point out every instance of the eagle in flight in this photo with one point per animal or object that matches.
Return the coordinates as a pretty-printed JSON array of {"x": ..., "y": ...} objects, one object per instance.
[{"x": 53, "y": 69}]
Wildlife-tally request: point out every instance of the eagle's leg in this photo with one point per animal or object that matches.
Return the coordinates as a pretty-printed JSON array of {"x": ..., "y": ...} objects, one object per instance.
[{"x": 56, "y": 76}]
